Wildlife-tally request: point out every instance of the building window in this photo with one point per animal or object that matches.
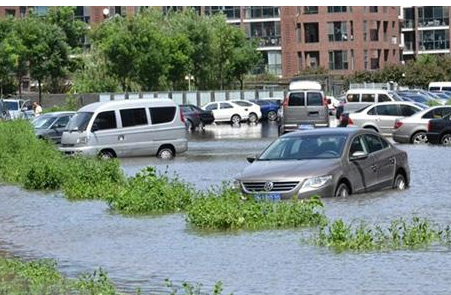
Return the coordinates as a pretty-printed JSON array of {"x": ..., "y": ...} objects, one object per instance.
[
  {"x": 373, "y": 9},
  {"x": 298, "y": 33},
  {"x": 336, "y": 31},
  {"x": 262, "y": 12},
  {"x": 365, "y": 59},
  {"x": 311, "y": 32},
  {"x": 299, "y": 61},
  {"x": 385, "y": 28},
  {"x": 310, "y": 9},
  {"x": 23, "y": 11},
  {"x": 352, "y": 60},
  {"x": 365, "y": 30},
  {"x": 231, "y": 12},
  {"x": 434, "y": 40},
  {"x": 312, "y": 59},
  {"x": 338, "y": 60},
  {"x": 336, "y": 9},
  {"x": 275, "y": 62},
  {"x": 386, "y": 54},
  {"x": 374, "y": 61},
  {"x": 10, "y": 12},
  {"x": 433, "y": 16},
  {"x": 374, "y": 31},
  {"x": 267, "y": 32}
]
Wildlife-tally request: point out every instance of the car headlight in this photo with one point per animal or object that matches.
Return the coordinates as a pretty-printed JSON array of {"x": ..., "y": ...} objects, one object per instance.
[
  {"x": 83, "y": 140},
  {"x": 316, "y": 182},
  {"x": 236, "y": 184}
]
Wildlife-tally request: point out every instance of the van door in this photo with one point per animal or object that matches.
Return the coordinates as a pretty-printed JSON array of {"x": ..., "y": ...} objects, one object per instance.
[
  {"x": 295, "y": 112},
  {"x": 104, "y": 130},
  {"x": 317, "y": 112},
  {"x": 134, "y": 138}
]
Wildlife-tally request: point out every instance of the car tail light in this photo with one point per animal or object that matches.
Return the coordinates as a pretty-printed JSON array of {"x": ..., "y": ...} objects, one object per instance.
[
  {"x": 350, "y": 122},
  {"x": 398, "y": 124},
  {"x": 182, "y": 118},
  {"x": 285, "y": 102},
  {"x": 429, "y": 126},
  {"x": 325, "y": 101}
]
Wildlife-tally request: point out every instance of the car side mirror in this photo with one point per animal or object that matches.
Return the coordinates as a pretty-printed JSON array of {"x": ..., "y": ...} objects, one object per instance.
[
  {"x": 358, "y": 155},
  {"x": 251, "y": 159},
  {"x": 24, "y": 109}
]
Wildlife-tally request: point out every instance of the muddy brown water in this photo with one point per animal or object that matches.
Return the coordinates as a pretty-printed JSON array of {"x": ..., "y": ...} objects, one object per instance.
[{"x": 143, "y": 251}]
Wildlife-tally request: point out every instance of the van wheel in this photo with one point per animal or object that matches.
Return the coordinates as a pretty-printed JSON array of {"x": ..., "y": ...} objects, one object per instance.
[
  {"x": 253, "y": 118},
  {"x": 236, "y": 119},
  {"x": 272, "y": 116},
  {"x": 106, "y": 155},
  {"x": 446, "y": 139},
  {"x": 165, "y": 153}
]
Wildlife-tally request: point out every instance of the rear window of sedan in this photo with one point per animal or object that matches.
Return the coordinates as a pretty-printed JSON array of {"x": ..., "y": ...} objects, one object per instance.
[{"x": 305, "y": 147}]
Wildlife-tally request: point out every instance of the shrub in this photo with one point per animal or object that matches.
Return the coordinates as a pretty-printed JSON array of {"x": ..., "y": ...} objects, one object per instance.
[
  {"x": 400, "y": 234},
  {"x": 227, "y": 208},
  {"x": 148, "y": 192}
]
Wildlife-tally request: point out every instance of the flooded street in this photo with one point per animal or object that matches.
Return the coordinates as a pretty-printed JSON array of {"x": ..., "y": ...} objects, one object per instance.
[{"x": 143, "y": 251}]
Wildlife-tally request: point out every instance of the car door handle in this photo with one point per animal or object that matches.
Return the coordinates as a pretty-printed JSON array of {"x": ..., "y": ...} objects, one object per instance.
[{"x": 374, "y": 167}]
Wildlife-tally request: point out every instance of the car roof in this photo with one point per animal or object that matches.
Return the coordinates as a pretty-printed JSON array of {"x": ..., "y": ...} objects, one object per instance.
[
  {"x": 366, "y": 90},
  {"x": 326, "y": 131},
  {"x": 115, "y": 104}
]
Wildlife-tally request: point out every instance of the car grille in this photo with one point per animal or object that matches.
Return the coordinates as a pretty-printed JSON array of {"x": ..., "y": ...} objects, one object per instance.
[{"x": 281, "y": 186}]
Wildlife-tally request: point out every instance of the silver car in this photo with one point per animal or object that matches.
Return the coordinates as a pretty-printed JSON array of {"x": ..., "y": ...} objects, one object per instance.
[
  {"x": 413, "y": 129},
  {"x": 381, "y": 117},
  {"x": 52, "y": 125},
  {"x": 325, "y": 162}
]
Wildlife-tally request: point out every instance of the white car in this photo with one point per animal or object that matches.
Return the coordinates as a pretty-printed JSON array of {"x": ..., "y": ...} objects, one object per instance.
[
  {"x": 226, "y": 111},
  {"x": 254, "y": 109},
  {"x": 18, "y": 108},
  {"x": 381, "y": 117}
]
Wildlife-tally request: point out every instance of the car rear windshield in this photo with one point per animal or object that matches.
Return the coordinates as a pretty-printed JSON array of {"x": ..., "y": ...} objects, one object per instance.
[{"x": 305, "y": 147}]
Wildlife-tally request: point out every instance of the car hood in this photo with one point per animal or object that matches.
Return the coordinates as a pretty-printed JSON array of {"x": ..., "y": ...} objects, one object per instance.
[{"x": 286, "y": 170}]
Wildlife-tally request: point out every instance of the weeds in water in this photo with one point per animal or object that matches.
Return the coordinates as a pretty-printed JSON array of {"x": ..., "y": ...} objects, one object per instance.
[
  {"x": 400, "y": 234},
  {"x": 227, "y": 208}
]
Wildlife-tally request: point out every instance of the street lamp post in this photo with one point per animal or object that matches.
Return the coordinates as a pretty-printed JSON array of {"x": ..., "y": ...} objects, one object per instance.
[{"x": 189, "y": 77}]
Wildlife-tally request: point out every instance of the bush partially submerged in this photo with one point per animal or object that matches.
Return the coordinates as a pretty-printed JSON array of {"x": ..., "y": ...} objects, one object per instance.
[
  {"x": 400, "y": 234},
  {"x": 227, "y": 208}
]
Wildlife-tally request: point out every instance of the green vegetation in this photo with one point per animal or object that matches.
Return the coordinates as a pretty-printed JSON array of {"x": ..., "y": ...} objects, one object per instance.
[
  {"x": 400, "y": 234},
  {"x": 226, "y": 208},
  {"x": 42, "y": 278}
]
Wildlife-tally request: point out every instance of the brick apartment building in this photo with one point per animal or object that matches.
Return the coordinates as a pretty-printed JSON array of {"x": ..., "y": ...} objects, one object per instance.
[{"x": 341, "y": 39}]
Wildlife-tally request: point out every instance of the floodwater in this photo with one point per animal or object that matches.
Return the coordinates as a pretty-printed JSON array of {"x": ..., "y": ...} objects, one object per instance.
[{"x": 143, "y": 251}]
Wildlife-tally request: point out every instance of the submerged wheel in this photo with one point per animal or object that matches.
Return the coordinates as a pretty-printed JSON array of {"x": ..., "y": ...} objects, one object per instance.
[
  {"x": 165, "y": 153},
  {"x": 342, "y": 190},
  {"x": 189, "y": 125},
  {"x": 236, "y": 119},
  {"x": 272, "y": 116},
  {"x": 419, "y": 138},
  {"x": 400, "y": 182},
  {"x": 446, "y": 139}
]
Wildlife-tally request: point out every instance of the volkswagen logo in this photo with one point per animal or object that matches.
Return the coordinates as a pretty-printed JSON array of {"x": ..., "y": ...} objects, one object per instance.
[{"x": 268, "y": 186}]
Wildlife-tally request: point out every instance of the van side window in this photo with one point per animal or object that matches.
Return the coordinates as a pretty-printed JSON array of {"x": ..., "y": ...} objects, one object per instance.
[
  {"x": 296, "y": 99},
  {"x": 105, "y": 120},
  {"x": 353, "y": 97},
  {"x": 446, "y": 88},
  {"x": 314, "y": 99},
  {"x": 435, "y": 89},
  {"x": 160, "y": 115},
  {"x": 133, "y": 117},
  {"x": 383, "y": 97},
  {"x": 368, "y": 97}
]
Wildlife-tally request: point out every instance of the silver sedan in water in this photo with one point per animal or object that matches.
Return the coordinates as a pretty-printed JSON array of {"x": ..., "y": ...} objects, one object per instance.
[{"x": 325, "y": 162}]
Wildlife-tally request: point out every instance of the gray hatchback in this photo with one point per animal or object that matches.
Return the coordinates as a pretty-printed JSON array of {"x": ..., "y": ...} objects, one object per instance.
[{"x": 325, "y": 162}]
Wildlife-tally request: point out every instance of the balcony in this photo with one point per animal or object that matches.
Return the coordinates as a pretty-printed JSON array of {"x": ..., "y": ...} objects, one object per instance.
[
  {"x": 433, "y": 22},
  {"x": 434, "y": 45},
  {"x": 408, "y": 24},
  {"x": 409, "y": 46},
  {"x": 270, "y": 41}
]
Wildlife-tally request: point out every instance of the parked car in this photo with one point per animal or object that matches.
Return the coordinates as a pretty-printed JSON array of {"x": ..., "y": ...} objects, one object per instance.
[
  {"x": 142, "y": 127},
  {"x": 439, "y": 86},
  {"x": 305, "y": 105},
  {"x": 356, "y": 99},
  {"x": 413, "y": 129},
  {"x": 18, "y": 108},
  {"x": 226, "y": 111},
  {"x": 196, "y": 117},
  {"x": 4, "y": 113},
  {"x": 381, "y": 117},
  {"x": 268, "y": 108},
  {"x": 439, "y": 131},
  {"x": 325, "y": 162},
  {"x": 52, "y": 125},
  {"x": 254, "y": 109},
  {"x": 276, "y": 100},
  {"x": 415, "y": 98}
]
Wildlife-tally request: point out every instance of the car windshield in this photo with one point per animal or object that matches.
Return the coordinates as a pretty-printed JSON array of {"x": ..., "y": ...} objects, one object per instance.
[
  {"x": 43, "y": 122},
  {"x": 306, "y": 147},
  {"x": 79, "y": 121},
  {"x": 12, "y": 105}
]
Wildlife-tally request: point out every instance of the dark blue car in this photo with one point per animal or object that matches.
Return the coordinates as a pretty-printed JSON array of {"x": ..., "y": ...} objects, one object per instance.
[{"x": 268, "y": 108}]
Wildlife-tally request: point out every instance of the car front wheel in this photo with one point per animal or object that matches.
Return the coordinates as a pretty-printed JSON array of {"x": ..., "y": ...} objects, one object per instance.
[
  {"x": 400, "y": 182},
  {"x": 342, "y": 190}
]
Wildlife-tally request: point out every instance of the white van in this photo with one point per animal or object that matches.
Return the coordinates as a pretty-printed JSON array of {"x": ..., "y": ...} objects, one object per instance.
[
  {"x": 142, "y": 127},
  {"x": 439, "y": 86},
  {"x": 358, "y": 98}
]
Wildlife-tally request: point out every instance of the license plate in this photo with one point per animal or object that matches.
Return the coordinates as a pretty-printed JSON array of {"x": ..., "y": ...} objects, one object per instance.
[{"x": 267, "y": 197}]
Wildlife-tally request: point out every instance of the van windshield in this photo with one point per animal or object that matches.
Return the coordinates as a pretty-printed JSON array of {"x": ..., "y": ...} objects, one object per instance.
[
  {"x": 79, "y": 121},
  {"x": 12, "y": 105}
]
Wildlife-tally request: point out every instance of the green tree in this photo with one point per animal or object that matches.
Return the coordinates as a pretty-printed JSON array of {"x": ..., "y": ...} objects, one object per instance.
[{"x": 8, "y": 55}]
